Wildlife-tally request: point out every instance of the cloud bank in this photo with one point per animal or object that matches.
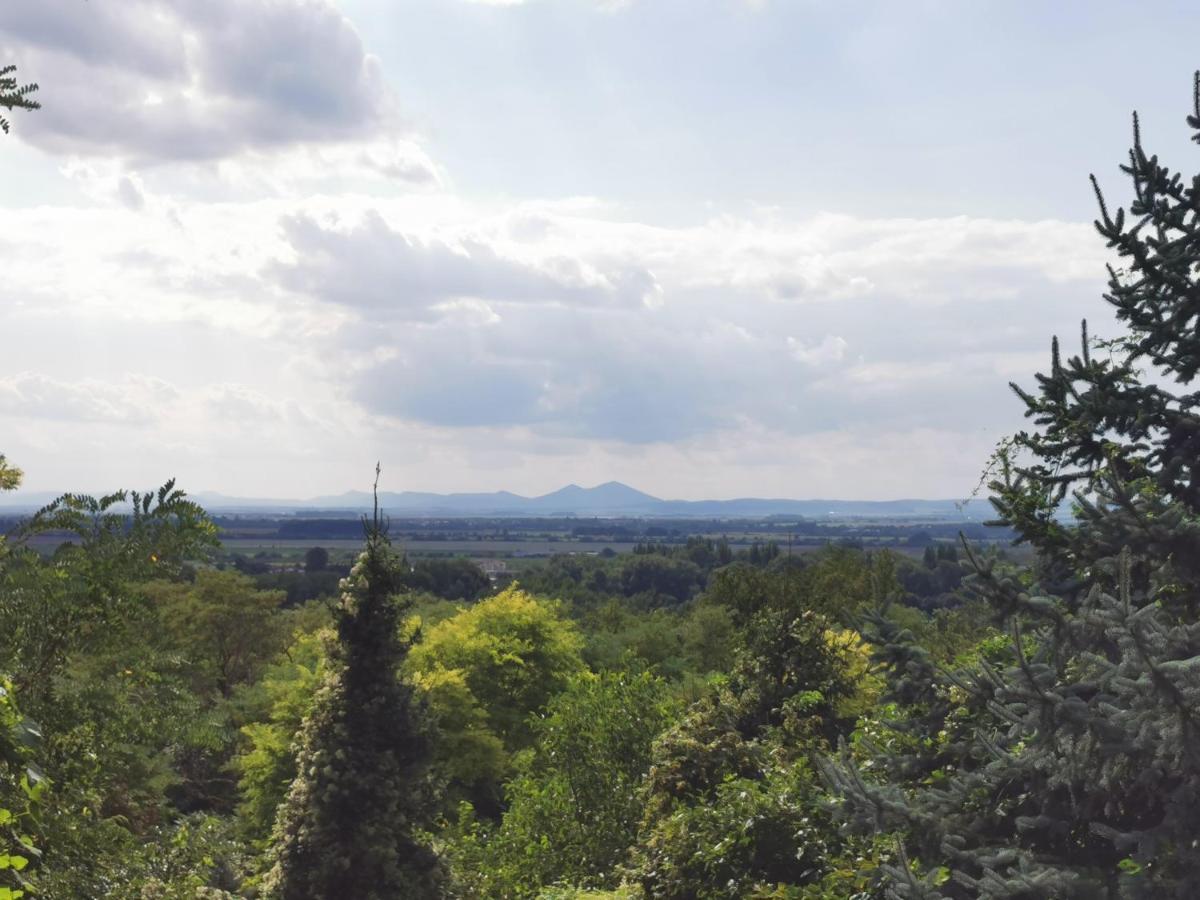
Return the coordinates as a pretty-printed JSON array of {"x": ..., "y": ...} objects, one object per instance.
[{"x": 263, "y": 282}]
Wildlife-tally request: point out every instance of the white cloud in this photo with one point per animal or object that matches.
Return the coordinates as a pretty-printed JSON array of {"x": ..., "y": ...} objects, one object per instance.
[
  {"x": 830, "y": 349},
  {"x": 135, "y": 400}
]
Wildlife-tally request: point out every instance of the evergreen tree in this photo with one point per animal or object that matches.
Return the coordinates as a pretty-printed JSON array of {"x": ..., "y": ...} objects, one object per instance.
[
  {"x": 350, "y": 824},
  {"x": 14, "y": 96},
  {"x": 1066, "y": 762}
]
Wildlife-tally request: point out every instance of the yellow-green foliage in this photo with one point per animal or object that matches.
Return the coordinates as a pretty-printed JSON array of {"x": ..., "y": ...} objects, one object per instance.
[
  {"x": 513, "y": 652},
  {"x": 469, "y": 755},
  {"x": 865, "y": 684},
  {"x": 10, "y": 476},
  {"x": 268, "y": 764}
]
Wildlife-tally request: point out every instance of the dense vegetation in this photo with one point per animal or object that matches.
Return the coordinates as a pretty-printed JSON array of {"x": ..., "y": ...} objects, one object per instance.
[{"x": 686, "y": 720}]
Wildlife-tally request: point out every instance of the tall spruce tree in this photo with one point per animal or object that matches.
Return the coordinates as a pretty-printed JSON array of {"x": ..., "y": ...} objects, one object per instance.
[
  {"x": 1067, "y": 763},
  {"x": 350, "y": 824}
]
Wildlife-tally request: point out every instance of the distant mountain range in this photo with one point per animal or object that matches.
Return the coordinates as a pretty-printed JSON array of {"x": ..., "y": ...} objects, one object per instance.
[{"x": 605, "y": 500}]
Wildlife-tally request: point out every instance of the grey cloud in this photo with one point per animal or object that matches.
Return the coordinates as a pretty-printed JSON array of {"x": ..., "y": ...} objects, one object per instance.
[
  {"x": 566, "y": 372},
  {"x": 127, "y": 35},
  {"x": 471, "y": 394},
  {"x": 155, "y": 80},
  {"x": 710, "y": 361},
  {"x": 302, "y": 61},
  {"x": 372, "y": 267}
]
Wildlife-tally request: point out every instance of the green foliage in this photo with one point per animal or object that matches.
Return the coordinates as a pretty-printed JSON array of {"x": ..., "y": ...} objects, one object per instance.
[
  {"x": 742, "y": 590},
  {"x": 84, "y": 597},
  {"x": 843, "y": 581},
  {"x": 838, "y": 582},
  {"x": 426, "y": 611},
  {"x": 614, "y": 634},
  {"x": 933, "y": 583},
  {"x": 731, "y": 807},
  {"x": 484, "y": 671},
  {"x": 574, "y": 805},
  {"x": 754, "y": 836},
  {"x": 196, "y": 857},
  {"x": 654, "y": 575},
  {"x": 625, "y": 892},
  {"x": 709, "y": 638},
  {"x": 660, "y": 580},
  {"x": 14, "y": 95},
  {"x": 80, "y": 640},
  {"x": 675, "y": 643},
  {"x": 584, "y": 581},
  {"x": 350, "y": 825},
  {"x": 21, "y": 788},
  {"x": 227, "y": 628}
]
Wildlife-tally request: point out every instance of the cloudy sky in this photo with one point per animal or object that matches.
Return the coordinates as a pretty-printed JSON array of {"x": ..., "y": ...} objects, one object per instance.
[{"x": 712, "y": 249}]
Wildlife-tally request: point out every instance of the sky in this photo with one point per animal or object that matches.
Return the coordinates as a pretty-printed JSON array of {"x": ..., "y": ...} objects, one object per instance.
[{"x": 781, "y": 248}]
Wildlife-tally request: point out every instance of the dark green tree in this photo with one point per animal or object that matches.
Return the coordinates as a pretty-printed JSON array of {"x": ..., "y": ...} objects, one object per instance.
[
  {"x": 450, "y": 579},
  {"x": 1066, "y": 763},
  {"x": 14, "y": 95},
  {"x": 316, "y": 559},
  {"x": 350, "y": 824},
  {"x": 666, "y": 580}
]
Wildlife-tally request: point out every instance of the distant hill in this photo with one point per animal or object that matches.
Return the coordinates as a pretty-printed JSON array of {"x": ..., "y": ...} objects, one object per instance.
[{"x": 609, "y": 499}]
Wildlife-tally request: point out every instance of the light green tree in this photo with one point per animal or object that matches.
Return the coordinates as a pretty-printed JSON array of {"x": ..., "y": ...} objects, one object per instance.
[{"x": 514, "y": 651}]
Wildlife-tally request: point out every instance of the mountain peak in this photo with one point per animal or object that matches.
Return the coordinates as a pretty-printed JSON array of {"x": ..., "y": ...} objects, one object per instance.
[{"x": 611, "y": 496}]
